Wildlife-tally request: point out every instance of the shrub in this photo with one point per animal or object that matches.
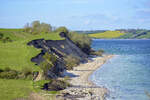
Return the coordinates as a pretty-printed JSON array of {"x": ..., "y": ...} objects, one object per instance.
[
  {"x": 27, "y": 73},
  {"x": 102, "y": 51},
  {"x": 97, "y": 53},
  {"x": 62, "y": 29},
  {"x": 7, "y": 69},
  {"x": 6, "y": 39},
  {"x": 71, "y": 61},
  {"x": 9, "y": 74},
  {"x": 1, "y": 70},
  {"x": 56, "y": 85},
  {"x": 1, "y": 35},
  {"x": 36, "y": 27},
  {"x": 83, "y": 41},
  {"x": 48, "y": 63}
]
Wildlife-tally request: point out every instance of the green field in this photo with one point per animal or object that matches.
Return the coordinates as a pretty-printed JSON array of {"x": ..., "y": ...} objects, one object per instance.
[
  {"x": 17, "y": 55},
  {"x": 12, "y": 89},
  {"x": 107, "y": 35}
]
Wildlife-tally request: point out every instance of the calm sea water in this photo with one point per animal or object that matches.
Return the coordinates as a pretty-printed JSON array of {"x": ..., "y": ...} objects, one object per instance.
[{"x": 127, "y": 75}]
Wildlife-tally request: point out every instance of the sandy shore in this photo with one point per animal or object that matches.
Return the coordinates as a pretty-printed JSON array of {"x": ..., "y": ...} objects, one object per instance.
[{"x": 83, "y": 88}]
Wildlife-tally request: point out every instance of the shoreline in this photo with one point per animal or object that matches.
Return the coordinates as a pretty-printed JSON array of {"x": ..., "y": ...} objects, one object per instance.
[{"x": 82, "y": 87}]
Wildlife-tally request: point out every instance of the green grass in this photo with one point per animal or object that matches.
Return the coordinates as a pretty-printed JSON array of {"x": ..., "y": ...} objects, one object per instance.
[
  {"x": 107, "y": 35},
  {"x": 18, "y": 34},
  {"x": 12, "y": 89},
  {"x": 17, "y": 55}
]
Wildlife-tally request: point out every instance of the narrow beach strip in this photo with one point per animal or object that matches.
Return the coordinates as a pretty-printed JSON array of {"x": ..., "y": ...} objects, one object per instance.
[{"x": 80, "y": 80}]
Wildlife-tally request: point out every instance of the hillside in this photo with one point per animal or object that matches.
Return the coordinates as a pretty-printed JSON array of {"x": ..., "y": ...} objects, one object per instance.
[
  {"x": 107, "y": 35},
  {"x": 17, "y": 56},
  {"x": 136, "y": 34},
  {"x": 30, "y": 61},
  {"x": 122, "y": 34},
  {"x": 17, "y": 53}
]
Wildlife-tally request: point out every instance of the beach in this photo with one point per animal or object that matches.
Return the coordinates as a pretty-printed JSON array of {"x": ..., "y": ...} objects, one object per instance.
[{"x": 82, "y": 88}]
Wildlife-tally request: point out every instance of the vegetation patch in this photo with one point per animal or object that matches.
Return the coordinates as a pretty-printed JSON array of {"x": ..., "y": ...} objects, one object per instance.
[
  {"x": 135, "y": 33},
  {"x": 71, "y": 61},
  {"x": 17, "y": 56},
  {"x": 48, "y": 63},
  {"x": 56, "y": 85},
  {"x": 83, "y": 41},
  {"x": 16, "y": 68},
  {"x": 12, "y": 89},
  {"x": 97, "y": 53},
  {"x": 8, "y": 73},
  {"x": 37, "y": 28},
  {"x": 107, "y": 35},
  {"x": 4, "y": 39}
]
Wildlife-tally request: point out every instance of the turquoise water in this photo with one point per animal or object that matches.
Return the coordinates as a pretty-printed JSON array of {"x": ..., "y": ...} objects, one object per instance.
[{"x": 127, "y": 75}]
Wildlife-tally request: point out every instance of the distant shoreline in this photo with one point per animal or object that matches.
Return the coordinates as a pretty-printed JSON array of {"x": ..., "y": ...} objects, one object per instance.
[
  {"x": 117, "y": 39},
  {"x": 81, "y": 81}
]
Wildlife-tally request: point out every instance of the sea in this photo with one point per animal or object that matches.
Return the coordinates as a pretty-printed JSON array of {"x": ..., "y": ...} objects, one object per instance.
[{"x": 127, "y": 74}]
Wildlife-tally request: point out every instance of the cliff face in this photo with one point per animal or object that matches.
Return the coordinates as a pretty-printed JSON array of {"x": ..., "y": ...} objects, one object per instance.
[{"x": 60, "y": 48}]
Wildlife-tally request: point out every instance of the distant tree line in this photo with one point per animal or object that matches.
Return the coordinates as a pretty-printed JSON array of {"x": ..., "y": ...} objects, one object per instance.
[{"x": 91, "y": 31}]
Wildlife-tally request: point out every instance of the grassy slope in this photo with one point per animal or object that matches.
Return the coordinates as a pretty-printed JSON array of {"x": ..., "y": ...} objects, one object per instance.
[
  {"x": 131, "y": 35},
  {"x": 17, "y": 55},
  {"x": 147, "y": 36},
  {"x": 107, "y": 35}
]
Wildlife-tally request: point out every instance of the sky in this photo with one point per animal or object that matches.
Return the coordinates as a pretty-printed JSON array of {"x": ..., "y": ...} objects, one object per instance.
[{"x": 77, "y": 14}]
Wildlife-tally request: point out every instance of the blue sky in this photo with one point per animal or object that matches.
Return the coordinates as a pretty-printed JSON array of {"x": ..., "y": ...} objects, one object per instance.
[{"x": 77, "y": 14}]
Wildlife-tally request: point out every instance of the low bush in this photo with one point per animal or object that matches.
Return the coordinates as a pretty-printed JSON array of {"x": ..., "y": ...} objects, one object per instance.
[
  {"x": 27, "y": 72},
  {"x": 71, "y": 61},
  {"x": 62, "y": 29},
  {"x": 1, "y": 35},
  {"x": 56, "y": 85},
  {"x": 38, "y": 85},
  {"x": 36, "y": 27},
  {"x": 1, "y": 70},
  {"x": 83, "y": 41},
  {"x": 48, "y": 63},
  {"x": 4, "y": 39},
  {"x": 97, "y": 53},
  {"x": 101, "y": 50},
  {"x": 9, "y": 74},
  {"x": 7, "y": 69}
]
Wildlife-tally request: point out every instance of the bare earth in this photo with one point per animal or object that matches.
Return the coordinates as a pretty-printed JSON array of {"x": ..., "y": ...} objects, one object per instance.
[{"x": 83, "y": 88}]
